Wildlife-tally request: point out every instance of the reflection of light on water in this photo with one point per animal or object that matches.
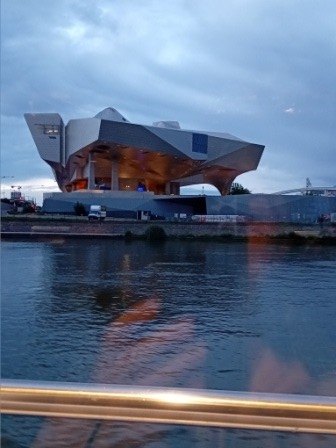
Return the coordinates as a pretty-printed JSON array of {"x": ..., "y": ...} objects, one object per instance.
[
  {"x": 125, "y": 269},
  {"x": 57, "y": 241},
  {"x": 126, "y": 265}
]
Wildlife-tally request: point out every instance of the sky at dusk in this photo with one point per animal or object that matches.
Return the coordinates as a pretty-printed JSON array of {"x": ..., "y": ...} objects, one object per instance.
[{"x": 264, "y": 71}]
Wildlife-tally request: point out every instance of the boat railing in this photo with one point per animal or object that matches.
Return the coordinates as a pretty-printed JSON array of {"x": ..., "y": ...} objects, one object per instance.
[{"x": 244, "y": 410}]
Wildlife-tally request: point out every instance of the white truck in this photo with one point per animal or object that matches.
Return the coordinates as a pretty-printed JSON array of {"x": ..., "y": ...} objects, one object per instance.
[{"x": 97, "y": 213}]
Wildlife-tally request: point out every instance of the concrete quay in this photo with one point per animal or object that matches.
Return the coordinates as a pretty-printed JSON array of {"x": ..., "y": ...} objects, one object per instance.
[{"x": 112, "y": 228}]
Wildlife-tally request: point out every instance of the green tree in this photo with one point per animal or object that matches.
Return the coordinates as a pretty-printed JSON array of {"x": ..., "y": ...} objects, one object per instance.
[
  {"x": 155, "y": 233},
  {"x": 28, "y": 208},
  {"x": 79, "y": 209},
  {"x": 238, "y": 189}
]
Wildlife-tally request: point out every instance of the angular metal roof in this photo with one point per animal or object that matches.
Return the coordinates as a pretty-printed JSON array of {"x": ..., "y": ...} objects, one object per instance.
[{"x": 158, "y": 154}]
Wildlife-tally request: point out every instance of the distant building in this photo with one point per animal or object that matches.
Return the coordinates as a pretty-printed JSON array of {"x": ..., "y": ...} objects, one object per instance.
[
  {"x": 244, "y": 207},
  {"x": 107, "y": 152}
]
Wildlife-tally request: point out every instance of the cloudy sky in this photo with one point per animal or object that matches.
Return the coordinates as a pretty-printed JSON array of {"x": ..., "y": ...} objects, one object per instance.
[{"x": 263, "y": 70}]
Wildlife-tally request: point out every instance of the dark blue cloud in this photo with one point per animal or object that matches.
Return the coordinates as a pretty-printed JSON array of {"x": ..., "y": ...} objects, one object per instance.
[{"x": 264, "y": 71}]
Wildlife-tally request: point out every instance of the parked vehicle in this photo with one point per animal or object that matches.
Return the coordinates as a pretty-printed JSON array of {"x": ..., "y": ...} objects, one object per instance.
[{"x": 97, "y": 213}]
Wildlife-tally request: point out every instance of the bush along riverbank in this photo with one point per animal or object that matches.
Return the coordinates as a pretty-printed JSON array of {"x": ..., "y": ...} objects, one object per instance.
[{"x": 33, "y": 227}]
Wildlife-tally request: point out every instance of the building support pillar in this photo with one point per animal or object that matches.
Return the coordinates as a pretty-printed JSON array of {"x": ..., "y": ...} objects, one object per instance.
[
  {"x": 91, "y": 177},
  {"x": 114, "y": 175},
  {"x": 172, "y": 188}
]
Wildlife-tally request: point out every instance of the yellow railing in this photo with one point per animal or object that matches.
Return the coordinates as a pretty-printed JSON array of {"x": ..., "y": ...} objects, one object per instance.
[{"x": 279, "y": 412}]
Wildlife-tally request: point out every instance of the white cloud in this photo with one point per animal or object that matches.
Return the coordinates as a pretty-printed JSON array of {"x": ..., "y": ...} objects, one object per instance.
[{"x": 290, "y": 110}]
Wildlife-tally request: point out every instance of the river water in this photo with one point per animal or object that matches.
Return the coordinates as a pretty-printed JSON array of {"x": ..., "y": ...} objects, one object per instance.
[{"x": 224, "y": 316}]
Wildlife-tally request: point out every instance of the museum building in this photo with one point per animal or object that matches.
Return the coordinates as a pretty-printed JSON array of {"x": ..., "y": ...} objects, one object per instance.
[
  {"x": 108, "y": 152},
  {"x": 131, "y": 168}
]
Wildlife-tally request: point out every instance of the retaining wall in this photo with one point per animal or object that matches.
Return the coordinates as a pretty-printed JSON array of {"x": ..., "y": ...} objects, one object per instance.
[{"x": 172, "y": 229}]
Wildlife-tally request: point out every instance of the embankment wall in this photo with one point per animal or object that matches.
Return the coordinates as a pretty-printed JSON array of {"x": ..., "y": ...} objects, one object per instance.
[{"x": 115, "y": 228}]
